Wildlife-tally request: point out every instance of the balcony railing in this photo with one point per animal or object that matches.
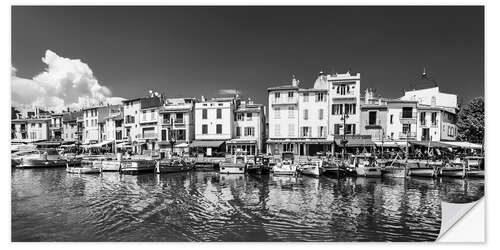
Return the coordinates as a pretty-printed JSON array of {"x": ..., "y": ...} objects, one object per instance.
[
  {"x": 409, "y": 135},
  {"x": 376, "y": 125},
  {"x": 404, "y": 115}
]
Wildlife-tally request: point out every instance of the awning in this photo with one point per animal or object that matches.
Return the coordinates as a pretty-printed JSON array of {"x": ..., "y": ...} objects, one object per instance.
[
  {"x": 206, "y": 144},
  {"x": 356, "y": 142},
  {"x": 98, "y": 145},
  {"x": 304, "y": 141},
  {"x": 241, "y": 141},
  {"x": 432, "y": 144},
  {"x": 48, "y": 143},
  {"x": 390, "y": 144},
  {"x": 464, "y": 144},
  {"x": 123, "y": 145}
]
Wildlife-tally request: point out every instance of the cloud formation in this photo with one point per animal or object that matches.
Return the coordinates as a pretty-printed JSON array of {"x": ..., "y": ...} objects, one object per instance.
[
  {"x": 64, "y": 83},
  {"x": 229, "y": 92}
]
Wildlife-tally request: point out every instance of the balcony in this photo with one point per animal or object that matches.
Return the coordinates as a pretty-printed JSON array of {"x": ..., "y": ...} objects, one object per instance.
[
  {"x": 376, "y": 125},
  {"x": 408, "y": 118},
  {"x": 148, "y": 135},
  {"x": 407, "y": 135}
]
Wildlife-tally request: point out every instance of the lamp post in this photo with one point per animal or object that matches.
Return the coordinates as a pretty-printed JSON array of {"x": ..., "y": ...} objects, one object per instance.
[
  {"x": 344, "y": 141},
  {"x": 171, "y": 138}
]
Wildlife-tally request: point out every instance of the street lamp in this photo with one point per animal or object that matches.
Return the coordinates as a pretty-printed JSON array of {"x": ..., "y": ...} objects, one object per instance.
[
  {"x": 344, "y": 141},
  {"x": 171, "y": 138}
]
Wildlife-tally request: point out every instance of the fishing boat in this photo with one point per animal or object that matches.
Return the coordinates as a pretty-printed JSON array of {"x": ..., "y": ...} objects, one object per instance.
[
  {"x": 44, "y": 158},
  {"x": 394, "y": 171},
  {"x": 254, "y": 165},
  {"x": 16, "y": 157},
  {"x": 421, "y": 168},
  {"x": 173, "y": 166},
  {"x": 85, "y": 167},
  {"x": 286, "y": 166},
  {"x": 474, "y": 166},
  {"x": 332, "y": 169},
  {"x": 311, "y": 168},
  {"x": 266, "y": 167},
  {"x": 365, "y": 165},
  {"x": 136, "y": 166},
  {"x": 236, "y": 164},
  {"x": 453, "y": 169},
  {"x": 204, "y": 166}
]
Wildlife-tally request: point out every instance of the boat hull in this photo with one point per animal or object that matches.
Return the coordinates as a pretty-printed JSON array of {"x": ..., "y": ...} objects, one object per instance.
[
  {"x": 395, "y": 172},
  {"x": 225, "y": 168},
  {"x": 254, "y": 169},
  {"x": 475, "y": 173},
  {"x": 204, "y": 166},
  {"x": 83, "y": 170},
  {"x": 422, "y": 172},
  {"x": 452, "y": 172},
  {"x": 165, "y": 168},
  {"x": 38, "y": 163},
  {"x": 110, "y": 166},
  {"x": 138, "y": 167},
  {"x": 368, "y": 171}
]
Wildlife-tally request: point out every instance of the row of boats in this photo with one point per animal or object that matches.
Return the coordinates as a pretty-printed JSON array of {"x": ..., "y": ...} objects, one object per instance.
[{"x": 365, "y": 165}]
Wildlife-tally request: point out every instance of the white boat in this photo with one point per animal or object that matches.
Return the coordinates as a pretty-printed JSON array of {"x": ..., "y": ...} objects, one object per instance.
[
  {"x": 111, "y": 165},
  {"x": 136, "y": 166},
  {"x": 455, "y": 168},
  {"x": 286, "y": 165},
  {"x": 365, "y": 165},
  {"x": 17, "y": 156},
  {"x": 236, "y": 164},
  {"x": 173, "y": 166},
  {"x": 86, "y": 167},
  {"x": 474, "y": 166},
  {"x": 42, "y": 159},
  {"x": 311, "y": 168}
]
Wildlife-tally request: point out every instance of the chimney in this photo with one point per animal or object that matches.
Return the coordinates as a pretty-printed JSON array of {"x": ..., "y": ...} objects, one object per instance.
[{"x": 295, "y": 82}]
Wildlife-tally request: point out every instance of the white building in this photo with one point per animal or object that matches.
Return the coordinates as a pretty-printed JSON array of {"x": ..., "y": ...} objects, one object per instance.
[
  {"x": 90, "y": 125},
  {"x": 70, "y": 126},
  {"x": 149, "y": 135},
  {"x": 249, "y": 129},
  {"x": 176, "y": 125},
  {"x": 213, "y": 125},
  {"x": 30, "y": 129},
  {"x": 305, "y": 120},
  {"x": 131, "y": 108}
]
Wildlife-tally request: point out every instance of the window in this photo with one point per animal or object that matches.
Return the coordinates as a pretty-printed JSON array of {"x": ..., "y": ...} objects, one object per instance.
[
  {"x": 152, "y": 114},
  {"x": 350, "y": 108},
  {"x": 86, "y": 123},
  {"x": 337, "y": 109},
  {"x": 320, "y": 114},
  {"x": 276, "y": 95},
  {"x": 290, "y": 95},
  {"x": 291, "y": 112},
  {"x": 422, "y": 118},
  {"x": 291, "y": 130},
  {"x": 204, "y": 129},
  {"x": 336, "y": 129},
  {"x": 350, "y": 129},
  {"x": 372, "y": 118},
  {"x": 39, "y": 125},
  {"x": 249, "y": 131},
  {"x": 306, "y": 114},
  {"x": 306, "y": 131},
  {"x": 277, "y": 130},
  {"x": 277, "y": 113},
  {"x": 407, "y": 112},
  {"x": 343, "y": 89},
  {"x": 219, "y": 113},
  {"x": 218, "y": 129},
  {"x": 163, "y": 134},
  {"x": 249, "y": 116},
  {"x": 390, "y": 121},
  {"x": 320, "y": 97},
  {"x": 144, "y": 115},
  {"x": 321, "y": 131},
  {"x": 204, "y": 114},
  {"x": 306, "y": 97},
  {"x": 220, "y": 104},
  {"x": 238, "y": 131},
  {"x": 434, "y": 118},
  {"x": 406, "y": 128},
  {"x": 239, "y": 117}
]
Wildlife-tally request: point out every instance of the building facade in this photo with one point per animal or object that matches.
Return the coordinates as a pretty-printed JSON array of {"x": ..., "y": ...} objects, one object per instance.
[
  {"x": 176, "y": 125},
  {"x": 249, "y": 129}
]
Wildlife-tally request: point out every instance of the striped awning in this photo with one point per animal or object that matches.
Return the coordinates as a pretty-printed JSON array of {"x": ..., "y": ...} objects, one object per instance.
[
  {"x": 206, "y": 144},
  {"x": 356, "y": 142}
]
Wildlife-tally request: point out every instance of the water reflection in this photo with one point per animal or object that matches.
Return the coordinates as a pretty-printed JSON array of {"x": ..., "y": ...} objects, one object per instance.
[{"x": 51, "y": 205}]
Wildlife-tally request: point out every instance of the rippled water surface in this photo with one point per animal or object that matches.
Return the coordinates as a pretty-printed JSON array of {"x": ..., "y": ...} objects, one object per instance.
[{"x": 52, "y": 205}]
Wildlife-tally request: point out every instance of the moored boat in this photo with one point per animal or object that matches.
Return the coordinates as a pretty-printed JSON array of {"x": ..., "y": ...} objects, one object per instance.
[
  {"x": 85, "y": 167},
  {"x": 136, "y": 166},
  {"x": 204, "y": 166},
  {"x": 474, "y": 166},
  {"x": 47, "y": 158},
  {"x": 285, "y": 166},
  {"x": 332, "y": 169},
  {"x": 452, "y": 169},
  {"x": 311, "y": 168},
  {"x": 173, "y": 166},
  {"x": 421, "y": 169},
  {"x": 394, "y": 171},
  {"x": 111, "y": 165},
  {"x": 365, "y": 165},
  {"x": 234, "y": 165}
]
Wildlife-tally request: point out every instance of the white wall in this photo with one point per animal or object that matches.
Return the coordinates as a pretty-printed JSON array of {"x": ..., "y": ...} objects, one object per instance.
[{"x": 226, "y": 120}]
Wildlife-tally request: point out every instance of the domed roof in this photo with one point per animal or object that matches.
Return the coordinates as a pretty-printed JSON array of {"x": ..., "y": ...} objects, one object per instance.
[{"x": 321, "y": 82}]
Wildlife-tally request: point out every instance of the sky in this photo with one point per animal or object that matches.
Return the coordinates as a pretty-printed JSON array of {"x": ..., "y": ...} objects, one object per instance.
[{"x": 102, "y": 52}]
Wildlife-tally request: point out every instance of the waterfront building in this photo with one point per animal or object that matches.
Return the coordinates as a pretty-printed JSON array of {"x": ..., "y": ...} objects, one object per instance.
[
  {"x": 94, "y": 119},
  {"x": 374, "y": 116},
  {"x": 249, "y": 128},
  {"x": 213, "y": 125},
  {"x": 113, "y": 125},
  {"x": 176, "y": 125},
  {"x": 309, "y": 121},
  {"x": 131, "y": 108},
  {"x": 31, "y": 129},
  {"x": 70, "y": 126},
  {"x": 56, "y": 127},
  {"x": 149, "y": 136},
  {"x": 437, "y": 113}
]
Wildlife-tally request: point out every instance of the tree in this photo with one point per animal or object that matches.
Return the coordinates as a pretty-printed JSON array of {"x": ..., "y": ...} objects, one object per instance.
[{"x": 471, "y": 121}]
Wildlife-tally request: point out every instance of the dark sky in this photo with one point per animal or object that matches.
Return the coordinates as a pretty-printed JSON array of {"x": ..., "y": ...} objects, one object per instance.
[{"x": 193, "y": 51}]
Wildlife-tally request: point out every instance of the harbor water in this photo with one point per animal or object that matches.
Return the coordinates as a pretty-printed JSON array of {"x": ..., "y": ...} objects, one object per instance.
[{"x": 53, "y": 205}]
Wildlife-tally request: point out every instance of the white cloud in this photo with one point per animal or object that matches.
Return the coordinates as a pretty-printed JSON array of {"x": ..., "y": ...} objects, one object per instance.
[
  {"x": 229, "y": 92},
  {"x": 64, "y": 83}
]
